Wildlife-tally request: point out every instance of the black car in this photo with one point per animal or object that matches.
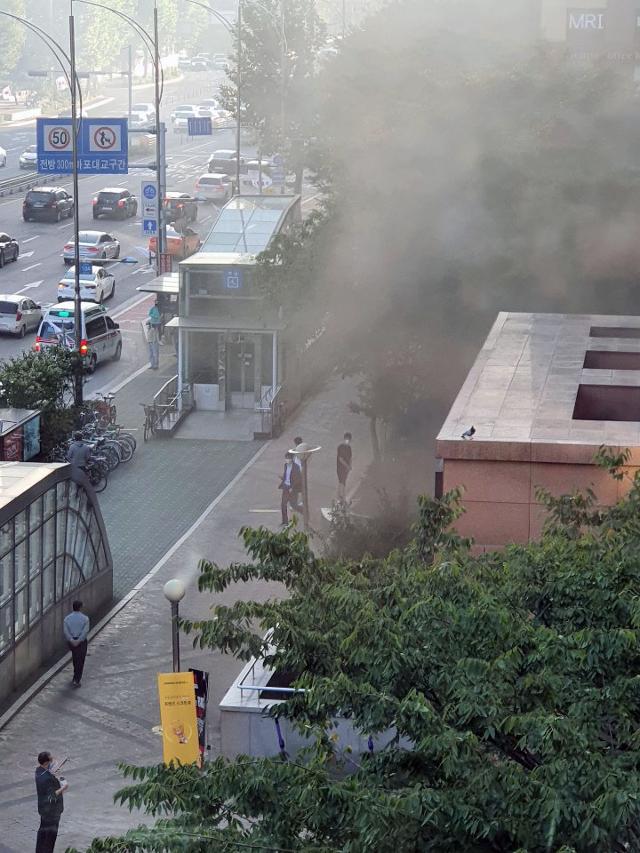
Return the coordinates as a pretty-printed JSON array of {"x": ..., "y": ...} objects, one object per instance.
[
  {"x": 9, "y": 249},
  {"x": 224, "y": 160},
  {"x": 52, "y": 203},
  {"x": 114, "y": 202},
  {"x": 180, "y": 206}
]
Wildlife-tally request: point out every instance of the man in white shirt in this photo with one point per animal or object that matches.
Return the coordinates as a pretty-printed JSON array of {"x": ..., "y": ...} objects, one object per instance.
[{"x": 76, "y": 630}]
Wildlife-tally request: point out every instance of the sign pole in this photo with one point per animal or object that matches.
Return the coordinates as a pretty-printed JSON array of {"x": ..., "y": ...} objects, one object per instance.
[
  {"x": 160, "y": 164},
  {"x": 76, "y": 216},
  {"x": 238, "y": 98}
]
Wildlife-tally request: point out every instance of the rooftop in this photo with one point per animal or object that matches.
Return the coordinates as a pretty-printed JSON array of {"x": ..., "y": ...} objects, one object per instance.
[
  {"x": 544, "y": 380},
  {"x": 17, "y": 477},
  {"x": 246, "y": 224}
]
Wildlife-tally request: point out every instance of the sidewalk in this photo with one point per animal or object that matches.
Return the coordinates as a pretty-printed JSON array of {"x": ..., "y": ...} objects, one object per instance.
[{"x": 111, "y": 717}]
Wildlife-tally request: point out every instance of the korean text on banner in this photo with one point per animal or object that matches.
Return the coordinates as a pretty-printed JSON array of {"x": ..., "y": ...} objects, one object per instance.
[{"x": 177, "y": 696}]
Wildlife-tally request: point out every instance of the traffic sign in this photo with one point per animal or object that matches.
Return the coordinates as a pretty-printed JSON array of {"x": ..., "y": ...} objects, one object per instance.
[
  {"x": 86, "y": 268},
  {"x": 200, "y": 126},
  {"x": 102, "y": 146},
  {"x": 149, "y": 198}
]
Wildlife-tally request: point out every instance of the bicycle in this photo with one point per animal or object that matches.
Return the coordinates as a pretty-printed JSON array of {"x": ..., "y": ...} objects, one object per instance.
[
  {"x": 98, "y": 473},
  {"x": 151, "y": 418}
]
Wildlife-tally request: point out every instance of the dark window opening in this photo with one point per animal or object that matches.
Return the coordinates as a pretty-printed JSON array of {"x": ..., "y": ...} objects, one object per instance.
[
  {"x": 606, "y": 360},
  {"x": 614, "y": 332},
  {"x": 607, "y": 403}
]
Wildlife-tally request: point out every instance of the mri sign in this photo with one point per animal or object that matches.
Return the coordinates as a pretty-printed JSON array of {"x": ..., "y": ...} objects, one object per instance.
[{"x": 586, "y": 20}]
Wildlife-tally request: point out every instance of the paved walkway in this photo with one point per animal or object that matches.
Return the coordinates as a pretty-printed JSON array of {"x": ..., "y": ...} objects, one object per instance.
[{"x": 111, "y": 717}]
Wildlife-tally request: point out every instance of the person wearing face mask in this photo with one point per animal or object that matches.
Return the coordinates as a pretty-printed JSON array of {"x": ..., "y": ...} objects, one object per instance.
[
  {"x": 50, "y": 792},
  {"x": 343, "y": 464}
]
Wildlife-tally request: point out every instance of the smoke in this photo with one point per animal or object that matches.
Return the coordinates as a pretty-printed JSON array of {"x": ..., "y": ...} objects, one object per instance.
[{"x": 475, "y": 170}]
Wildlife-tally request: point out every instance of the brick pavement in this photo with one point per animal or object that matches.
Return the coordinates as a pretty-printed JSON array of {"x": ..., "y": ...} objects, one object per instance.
[{"x": 110, "y": 718}]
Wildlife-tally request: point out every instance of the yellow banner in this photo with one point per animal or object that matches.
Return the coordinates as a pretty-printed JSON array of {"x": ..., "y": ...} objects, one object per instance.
[{"x": 177, "y": 694}]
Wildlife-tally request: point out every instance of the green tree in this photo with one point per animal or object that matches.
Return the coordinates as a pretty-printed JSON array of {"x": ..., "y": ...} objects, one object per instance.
[
  {"x": 12, "y": 37},
  {"x": 504, "y": 689},
  {"x": 42, "y": 381},
  {"x": 280, "y": 41}
]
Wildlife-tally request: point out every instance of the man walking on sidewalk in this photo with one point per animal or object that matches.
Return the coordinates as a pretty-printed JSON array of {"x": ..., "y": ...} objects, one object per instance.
[
  {"x": 50, "y": 792},
  {"x": 76, "y": 630},
  {"x": 291, "y": 485},
  {"x": 343, "y": 464},
  {"x": 153, "y": 340}
]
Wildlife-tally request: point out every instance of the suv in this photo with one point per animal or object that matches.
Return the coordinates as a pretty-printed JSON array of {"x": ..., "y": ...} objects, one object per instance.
[
  {"x": 52, "y": 203},
  {"x": 224, "y": 160},
  {"x": 214, "y": 187},
  {"x": 114, "y": 202},
  {"x": 180, "y": 206},
  {"x": 100, "y": 334}
]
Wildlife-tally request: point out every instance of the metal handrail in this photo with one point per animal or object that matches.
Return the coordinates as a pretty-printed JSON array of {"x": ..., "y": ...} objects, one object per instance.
[
  {"x": 166, "y": 399},
  {"x": 267, "y": 408}
]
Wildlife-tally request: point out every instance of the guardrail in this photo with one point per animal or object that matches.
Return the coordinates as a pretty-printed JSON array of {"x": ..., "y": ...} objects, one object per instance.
[{"x": 25, "y": 182}]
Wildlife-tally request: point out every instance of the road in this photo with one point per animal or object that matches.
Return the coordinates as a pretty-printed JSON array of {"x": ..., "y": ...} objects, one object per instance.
[{"x": 40, "y": 265}]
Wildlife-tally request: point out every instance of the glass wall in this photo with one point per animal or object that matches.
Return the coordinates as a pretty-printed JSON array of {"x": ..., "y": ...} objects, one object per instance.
[{"x": 46, "y": 551}]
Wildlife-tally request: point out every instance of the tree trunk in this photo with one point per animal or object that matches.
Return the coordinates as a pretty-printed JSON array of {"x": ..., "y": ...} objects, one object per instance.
[{"x": 375, "y": 444}]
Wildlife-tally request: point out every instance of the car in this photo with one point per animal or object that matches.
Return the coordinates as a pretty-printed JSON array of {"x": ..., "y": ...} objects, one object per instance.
[
  {"x": 141, "y": 143},
  {"x": 95, "y": 286},
  {"x": 9, "y": 249},
  {"x": 221, "y": 64},
  {"x": 180, "y": 244},
  {"x": 224, "y": 160},
  {"x": 29, "y": 158},
  {"x": 143, "y": 108},
  {"x": 180, "y": 206},
  {"x": 114, "y": 202},
  {"x": 192, "y": 109},
  {"x": 210, "y": 103},
  {"x": 214, "y": 186},
  {"x": 19, "y": 314},
  {"x": 52, "y": 203},
  {"x": 142, "y": 120},
  {"x": 181, "y": 120},
  {"x": 100, "y": 336},
  {"x": 184, "y": 62},
  {"x": 3, "y": 156},
  {"x": 219, "y": 118},
  {"x": 94, "y": 246},
  {"x": 200, "y": 63}
]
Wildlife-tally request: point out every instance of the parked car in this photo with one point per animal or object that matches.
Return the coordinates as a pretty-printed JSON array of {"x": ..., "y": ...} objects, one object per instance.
[
  {"x": 180, "y": 206},
  {"x": 3, "y": 156},
  {"x": 95, "y": 286},
  {"x": 214, "y": 186},
  {"x": 9, "y": 249},
  {"x": 19, "y": 314},
  {"x": 29, "y": 158},
  {"x": 224, "y": 160},
  {"x": 180, "y": 244},
  {"x": 114, "y": 202},
  {"x": 52, "y": 203},
  {"x": 94, "y": 246},
  {"x": 100, "y": 337}
]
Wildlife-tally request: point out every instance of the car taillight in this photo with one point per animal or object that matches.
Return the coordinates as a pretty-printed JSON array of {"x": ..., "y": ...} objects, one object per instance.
[
  {"x": 18, "y": 315},
  {"x": 68, "y": 246},
  {"x": 92, "y": 249},
  {"x": 121, "y": 203},
  {"x": 36, "y": 345},
  {"x": 95, "y": 201},
  {"x": 84, "y": 347}
]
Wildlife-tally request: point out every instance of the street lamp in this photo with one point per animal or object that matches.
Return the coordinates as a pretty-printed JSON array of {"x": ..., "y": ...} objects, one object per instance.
[
  {"x": 303, "y": 451},
  {"x": 174, "y": 591},
  {"x": 151, "y": 43}
]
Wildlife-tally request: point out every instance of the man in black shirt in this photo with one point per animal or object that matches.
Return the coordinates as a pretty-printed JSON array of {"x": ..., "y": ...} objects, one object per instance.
[
  {"x": 50, "y": 803},
  {"x": 343, "y": 465}
]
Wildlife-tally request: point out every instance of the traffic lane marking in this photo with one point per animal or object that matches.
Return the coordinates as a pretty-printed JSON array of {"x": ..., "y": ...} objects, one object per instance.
[
  {"x": 32, "y": 267},
  {"x": 29, "y": 286},
  {"x": 29, "y": 239}
]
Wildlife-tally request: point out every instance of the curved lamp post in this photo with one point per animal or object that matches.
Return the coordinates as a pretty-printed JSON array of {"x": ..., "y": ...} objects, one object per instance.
[
  {"x": 174, "y": 591},
  {"x": 304, "y": 452},
  {"x": 151, "y": 43}
]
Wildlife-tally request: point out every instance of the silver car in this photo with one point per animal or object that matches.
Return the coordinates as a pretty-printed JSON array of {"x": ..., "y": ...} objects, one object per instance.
[
  {"x": 29, "y": 158},
  {"x": 94, "y": 246},
  {"x": 19, "y": 314}
]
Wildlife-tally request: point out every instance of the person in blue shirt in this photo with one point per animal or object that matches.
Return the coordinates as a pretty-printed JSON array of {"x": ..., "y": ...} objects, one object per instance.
[{"x": 76, "y": 630}]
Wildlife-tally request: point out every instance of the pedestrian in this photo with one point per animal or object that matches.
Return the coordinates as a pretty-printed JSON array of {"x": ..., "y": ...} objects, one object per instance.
[
  {"x": 79, "y": 457},
  {"x": 343, "y": 464},
  {"x": 155, "y": 318},
  {"x": 76, "y": 630},
  {"x": 153, "y": 340},
  {"x": 290, "y": 484},
  {"x": 50, "y": 792}
]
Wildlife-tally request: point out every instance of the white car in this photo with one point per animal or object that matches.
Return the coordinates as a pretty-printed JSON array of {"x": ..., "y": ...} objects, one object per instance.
[
  {"x": 95, "y": 286},
  {"x": 29, "y": 158},
  {"x": 94, "y": 246},
  {"x": 192, "y": 109},
  {"x": 19, "y": 314},
  {"x": 213, "y": 186},
  {"x": 3, "y": 157},
  {"x": 143, "y": 108},
  {"x": 210, "y": 103},
  {"x": 141, "y": 119}
]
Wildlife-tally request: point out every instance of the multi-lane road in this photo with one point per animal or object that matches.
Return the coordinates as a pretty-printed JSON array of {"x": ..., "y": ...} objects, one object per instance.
[{"x": 40, "y": 265}]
